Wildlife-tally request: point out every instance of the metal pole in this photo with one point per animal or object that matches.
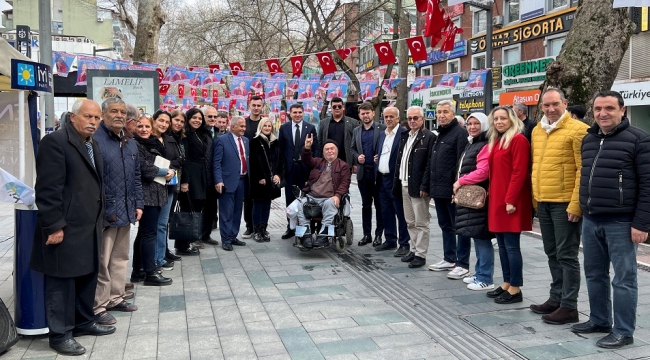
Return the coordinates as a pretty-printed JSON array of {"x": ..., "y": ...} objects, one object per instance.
[
  {"x": 45, "y": 49},
  {"x": 488, "y": 59},
  {"x": 21, "y": 136}
]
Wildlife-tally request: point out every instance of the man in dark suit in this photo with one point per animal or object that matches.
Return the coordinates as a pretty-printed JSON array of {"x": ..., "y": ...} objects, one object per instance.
[
  {"x": 291, "y": 140},
  {"x": 364, "y": 143},
  {"x": 211, "y": 206},
  {"x": 69, "y": 196},
  {"x": 338, "y": 127},
  {"x": 230, "y": 168},
  {"x": 391, "y": 206}
]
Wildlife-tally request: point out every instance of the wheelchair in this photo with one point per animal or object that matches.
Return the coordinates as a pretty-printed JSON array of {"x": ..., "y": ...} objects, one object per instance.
[{"x": 343, "y": 228}]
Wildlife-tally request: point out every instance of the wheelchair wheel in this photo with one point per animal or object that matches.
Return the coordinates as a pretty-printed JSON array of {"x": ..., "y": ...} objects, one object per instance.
[
  {"x": 349, "y": 231},
  {"x": 339, "y": 243}
]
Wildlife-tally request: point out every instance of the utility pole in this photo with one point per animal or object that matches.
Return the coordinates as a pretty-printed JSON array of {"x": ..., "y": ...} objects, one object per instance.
[
  {"x": 487, "y": 90},
  {"x": 45, "y": 40}
]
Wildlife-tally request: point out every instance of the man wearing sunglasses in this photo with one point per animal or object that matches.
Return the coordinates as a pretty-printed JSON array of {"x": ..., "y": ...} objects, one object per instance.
[{"x": 338, "y": 128}]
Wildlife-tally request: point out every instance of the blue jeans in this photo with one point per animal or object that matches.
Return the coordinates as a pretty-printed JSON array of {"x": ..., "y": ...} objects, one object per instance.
[
  {"x": 455, "y": 251},
  {"x": 144, "y": 246},
  {"x": 261, "y": 212},
  {"x": 510, "y": 256},
  {"x": 484, "y": 270},
  {"x": 161, "y": 236},
  {"x": 602, "y": 243}
]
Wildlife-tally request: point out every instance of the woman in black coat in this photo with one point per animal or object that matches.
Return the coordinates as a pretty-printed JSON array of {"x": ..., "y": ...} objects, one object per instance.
[
  {"x": 196, "y": 174},
  {"x": 266, "y": 173},
  {"x": 155, "y": 197},
  {"x": 175, "y": 149}
]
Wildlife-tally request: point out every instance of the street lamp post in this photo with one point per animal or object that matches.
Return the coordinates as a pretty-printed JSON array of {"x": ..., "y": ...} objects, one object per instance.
[{"x": 487, "y": 89}]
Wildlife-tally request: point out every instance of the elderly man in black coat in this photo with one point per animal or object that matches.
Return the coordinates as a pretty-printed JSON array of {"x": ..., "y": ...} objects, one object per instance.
[{"x": 69, "y": 196}]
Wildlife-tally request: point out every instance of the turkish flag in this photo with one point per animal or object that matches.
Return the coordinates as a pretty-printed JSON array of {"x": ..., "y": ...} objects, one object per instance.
[
  {"x": 274, "y": 66},
  {"x": 417, "y": 48},
  {"x": 161, "y": 74},
  {"x": 344, "y": 53},
  {"x": 227, "y": 93},
  {"x": 435, "y": 18},
  {"x": 215, "y": 96},
  {"x": 296, "y": 65},
  {"x": 193, "y": 93},
  {"x": 162, "y": 89},
  {"x": 235, "y": 67},
  {"x": 204, "y": 94},
  {"x": 450, "y": 36},
  {"x": 181, "y": 91},
  {"x": 213, "y": 67},
  {"x": 421, "y": 5},
  {"x": 385, "y": 53},
  {"x": 326, "y": 62}
]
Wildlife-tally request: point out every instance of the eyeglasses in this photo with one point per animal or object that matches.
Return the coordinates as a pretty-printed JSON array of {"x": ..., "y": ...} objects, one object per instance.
[
  {"x": 337, "y": 106},
  {"x": 211, "y": 116},
  {"x": 412, "y": 118}
]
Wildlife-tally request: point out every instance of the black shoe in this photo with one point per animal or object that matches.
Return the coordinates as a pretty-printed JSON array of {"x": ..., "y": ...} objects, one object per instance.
[
  {"x": 408, "y": 257},
  {"x": 386, "y": 246},
  {"x": 188, "y": 252},
  {"x": 588, "y": 327},
  {"x": 172, "y": 257},
  {"x": 226, "y": 247},
  {"x": 615, "y": 341},
  {"x": 94, "y": 329},
  {"x": 258, "y": 235},
  {"x": 307, "y": 241},
  {"x": 402, "y": 251},
  {"x": 508, "y": 298},
  {"x": 377, "y": 241},
  {"x": 248, "y": 233},
  {"x": 288, "y": 234},
  {"x": 210, "y": 241},
  {"x": 69, "y": 347},
  {"x": 124, "y": 307},
  {"x": 366, "y": 239},
  {"x": 495, "y": 293},
  {"x": 237, "y": 242},
  {"x": 104, "y": 318},
  {"x": 137, "y": 276},
  {"x": 156, "y": 279},
  {"x": 322, "y": 241},
  {"x": 417, "y": 262},
  {"x": 168, "y": 265}
]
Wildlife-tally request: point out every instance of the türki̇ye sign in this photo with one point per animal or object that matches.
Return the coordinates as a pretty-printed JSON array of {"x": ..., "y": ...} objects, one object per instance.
[
  {"x": 526, "y": 73},
  {"x": 551, "y": 24}
]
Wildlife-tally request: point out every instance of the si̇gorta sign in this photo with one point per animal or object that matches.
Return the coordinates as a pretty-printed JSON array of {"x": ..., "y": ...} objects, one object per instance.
[
  {"x": 526, "y": 73},
  {"x": 27, "y": 75}
]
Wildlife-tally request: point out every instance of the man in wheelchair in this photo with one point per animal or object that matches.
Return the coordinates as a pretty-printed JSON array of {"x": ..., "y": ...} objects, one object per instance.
[{"x": 329, "y": 181}]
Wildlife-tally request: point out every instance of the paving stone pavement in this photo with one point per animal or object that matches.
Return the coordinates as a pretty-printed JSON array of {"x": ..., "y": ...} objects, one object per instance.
[{"x": 271, "y": 301}]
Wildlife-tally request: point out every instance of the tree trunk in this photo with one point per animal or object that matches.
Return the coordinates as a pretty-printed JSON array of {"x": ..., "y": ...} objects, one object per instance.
[
  {"x": 150, "y": 19},
  {"x": 592, "y": 53}
]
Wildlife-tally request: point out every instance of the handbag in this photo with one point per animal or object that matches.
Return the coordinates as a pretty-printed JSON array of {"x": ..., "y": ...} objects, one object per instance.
[
  {"x": 470, "y": 196},
  {"x": 185, "y": 225},
  {"x": 274, "y": 185},
  {"x": 311, "y": 209},
  {"x": 8, "y": 333}
]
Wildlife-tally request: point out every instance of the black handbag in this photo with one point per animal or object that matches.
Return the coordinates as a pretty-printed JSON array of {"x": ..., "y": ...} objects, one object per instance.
[
  {"x": 8, "y": 333},
  {"x": 311, "y": 209},
  {"x": 273, "y": 185},
  {"x": 185, "y": 225}
]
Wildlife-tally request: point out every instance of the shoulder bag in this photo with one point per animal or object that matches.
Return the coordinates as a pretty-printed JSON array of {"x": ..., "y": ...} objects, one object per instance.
[
  {"x": 185, "y": 225},
  {"x": 470, "y": 196}
]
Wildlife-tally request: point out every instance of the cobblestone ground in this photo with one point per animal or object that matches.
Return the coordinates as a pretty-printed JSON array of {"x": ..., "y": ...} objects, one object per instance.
[{"x": 271, "y": 301}]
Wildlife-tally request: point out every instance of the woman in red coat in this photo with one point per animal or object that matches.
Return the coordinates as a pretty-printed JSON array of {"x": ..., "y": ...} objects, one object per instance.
[{"x": 509, "y": 208}]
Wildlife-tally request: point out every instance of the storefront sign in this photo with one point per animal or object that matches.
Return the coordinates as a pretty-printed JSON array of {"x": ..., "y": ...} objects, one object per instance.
[
  {"x": 28, "y": 75},
  {"x": 551, "y": 24},
  {"x": 136, "y": 87},
  {"x": 528, "y": 97},
  {"x": 470, "y": 105},
  {"x": 637, "y": 93},
  {"x": 436, "y": 56},
  {"x": 525, "y": 73}
]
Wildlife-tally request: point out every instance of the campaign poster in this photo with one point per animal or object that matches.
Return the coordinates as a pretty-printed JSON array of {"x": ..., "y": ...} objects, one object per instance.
[
  {"x": 239, "y": 86},
  {"x": 421, "y": 83},
  {"x": 289, "y": 103},
  {"x": 476, "y": 81},
  {"x": 169, "y": 101},
  {"x": 282, "y": 76},
  {"x": 274, "y": 89},
  {"x": 175, "y": 75},
  {"x": 390, "y": 87},
  {"x": 275, "y": 106},
  {"x": 143, "y": 66},
  {"x": 257, "y": 84},
  {"x": 188, "y": 103},
  {"x": 241, "y": 105},
  {"x": 105, "y": 64},
  {"x": 306, "y": 89},
  {"x": 84, "y": 63},
  {"x": 323, "y": 86},
  {"x": 62, "y": 62},
  {"x": 337, "y": 88},
  {"x": 448, "y": 81},
  {"x": 292, "y": 87},
  {"x": 243, "y": 73},
  {"x": 136, "y": 87},
  {"x": 194, "y": 78},
  {"x": 121, "y": 64},
  {"x": 211, "y": 78},
  {"x": 368, "y": 88},
  {"x": 223, "y": 104}
]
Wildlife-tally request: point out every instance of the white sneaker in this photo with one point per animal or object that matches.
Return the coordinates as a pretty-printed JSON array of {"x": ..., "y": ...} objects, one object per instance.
[
  {"x": 469, "y": 279},
  {"x": 442, "y": 266},
  {"x": 495, "y": 243},
  {"x": 479, "y": 286},
  {"x": 458, "y": 273}
]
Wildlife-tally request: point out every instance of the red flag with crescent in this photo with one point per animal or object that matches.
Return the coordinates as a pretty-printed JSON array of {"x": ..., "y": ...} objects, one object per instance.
[
  {"x": 215, "y": 96},
  {"x": 385, "y": 53},
  {"x": 213, "y": 67},
  {"x": 193, "y": 93},
  {"x": 204, "y": 94},
  {"x": 162, "y": 89},
  {"x": 435, "y": 21},
  {"x": 450, "y": 37},
  {"x": 235, "y": 67},
  {"x": 326, "y": 62},
  {"x": 161, "y": 74},
  {"x": 181, "y": 91},
  {"x": 417, "y": 48},
  {"x": 344, "y": 53},
  {"x": 296, "y": 65},
  {"x": 274, "y": 66}
]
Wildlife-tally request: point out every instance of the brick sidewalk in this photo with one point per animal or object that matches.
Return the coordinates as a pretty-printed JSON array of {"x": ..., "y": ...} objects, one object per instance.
[{"x": 271, "y": 301}]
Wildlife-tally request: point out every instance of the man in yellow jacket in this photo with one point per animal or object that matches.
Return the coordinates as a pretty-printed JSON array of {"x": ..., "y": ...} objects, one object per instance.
[{"x": 556, "y": 156}]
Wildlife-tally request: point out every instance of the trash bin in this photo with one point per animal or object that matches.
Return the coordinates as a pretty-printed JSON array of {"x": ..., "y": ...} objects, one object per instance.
[{"x": 29, "y": 285}]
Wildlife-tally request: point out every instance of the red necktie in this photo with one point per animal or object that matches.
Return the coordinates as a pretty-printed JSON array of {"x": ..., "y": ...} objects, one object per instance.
[{"x": 242, "y": 155}]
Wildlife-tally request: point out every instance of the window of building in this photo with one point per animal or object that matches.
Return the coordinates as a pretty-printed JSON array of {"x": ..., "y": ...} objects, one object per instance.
[
  {"x": 511, "y": 55},
  {"x": 426, "y": 71},
  {"x": 479, "y": 21},
  {"x": 554, "y": 45},
  {"x": 453, "y": 66},
  {"x": 511, "y": 11},
  {"x": 556, "y": 4},
  {"x": 478, "y": 62}
]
